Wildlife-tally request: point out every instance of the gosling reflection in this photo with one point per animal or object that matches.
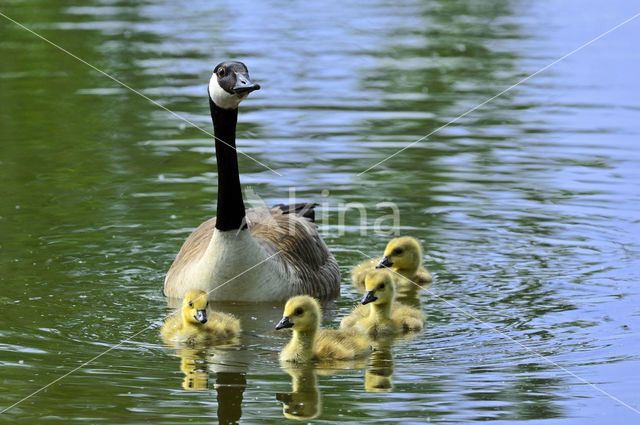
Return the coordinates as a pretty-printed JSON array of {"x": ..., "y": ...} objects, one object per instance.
[
  {"x": 303, "y": 402},
  {"x": 193, "y": 364},
  {"x": 377, "y": 377},
  {"x": 408, "y": 293},
  {"x": 198, "y": 365}
]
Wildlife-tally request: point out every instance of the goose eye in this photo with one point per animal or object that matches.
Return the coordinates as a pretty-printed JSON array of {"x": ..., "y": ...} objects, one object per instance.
[
  {"x": 381, "y": 286},
  {"x": 207, "y": 304},
  {"x": 190, "y": 303},
  {"x": 221, "y": 72},
  {"x": 298, "y": 311},
  {"x": 397, "y": 251}
]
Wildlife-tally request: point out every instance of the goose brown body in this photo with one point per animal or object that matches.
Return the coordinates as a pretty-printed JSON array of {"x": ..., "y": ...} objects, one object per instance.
[{"x": 299, "y": 256}]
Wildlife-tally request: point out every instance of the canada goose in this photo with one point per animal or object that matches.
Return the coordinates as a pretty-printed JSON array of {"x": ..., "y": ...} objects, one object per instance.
[
  {"x": 262, "y": 254},
  {"x": 382, "y": 316},
  {"x": 302, "y": 314},
  {"x": 196, "y": 325},
  {"x": 402, "y": 255}
]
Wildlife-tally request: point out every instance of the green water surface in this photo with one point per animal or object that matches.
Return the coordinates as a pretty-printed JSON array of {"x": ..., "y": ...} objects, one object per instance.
[{"x": 527, "y": 207}]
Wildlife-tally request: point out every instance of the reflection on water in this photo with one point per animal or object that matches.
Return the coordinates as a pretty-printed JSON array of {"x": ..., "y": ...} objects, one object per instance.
[
  {"x": 230, "y": 382},
  {"x": 303, "y": 402},
  {"x": 379, "y": 371},
  {"x": 526, "y": 208},
  {"x": 194, "y": 366},
  {"x": 410, "y": 295},
  {"x": 230, "y": 387}
]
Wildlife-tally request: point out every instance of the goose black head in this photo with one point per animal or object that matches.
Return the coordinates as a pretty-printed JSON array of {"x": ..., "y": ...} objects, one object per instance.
[{"x": 230, "y": 84}]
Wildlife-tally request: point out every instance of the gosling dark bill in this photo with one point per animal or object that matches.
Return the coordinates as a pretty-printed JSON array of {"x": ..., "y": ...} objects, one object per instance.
[
  {"x": 369, "y": 297},
  {"x": 385, "y": 262},
  {"x": 284, "y": 323},
  {"x": 201, "y": 316}
]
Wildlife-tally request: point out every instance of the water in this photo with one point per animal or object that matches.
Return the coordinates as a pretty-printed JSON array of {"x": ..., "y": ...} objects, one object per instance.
[{"x": 526, "y": 207}]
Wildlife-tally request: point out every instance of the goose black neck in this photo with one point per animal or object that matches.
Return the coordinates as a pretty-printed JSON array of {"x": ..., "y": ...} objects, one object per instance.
[{"x": 230, "y": 214}]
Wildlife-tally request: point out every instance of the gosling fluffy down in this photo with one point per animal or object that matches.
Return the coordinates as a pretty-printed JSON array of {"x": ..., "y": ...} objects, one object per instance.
[
  {"x": 197, "y": 325},
  {"x": 302, "y": 314},
  {"x": 379, "y": 314},
  {"x": 402, "y": 255}
]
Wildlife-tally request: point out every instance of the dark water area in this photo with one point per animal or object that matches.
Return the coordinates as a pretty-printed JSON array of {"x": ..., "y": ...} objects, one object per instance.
[{"x": 527, "y": 207}]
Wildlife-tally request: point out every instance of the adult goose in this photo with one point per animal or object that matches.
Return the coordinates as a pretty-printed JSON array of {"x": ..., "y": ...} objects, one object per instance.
[{"x": 261, "y": 254}]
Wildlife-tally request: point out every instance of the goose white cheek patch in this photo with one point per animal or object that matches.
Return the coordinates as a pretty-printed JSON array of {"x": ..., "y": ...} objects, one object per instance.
[{"x": 220, "y": 97}]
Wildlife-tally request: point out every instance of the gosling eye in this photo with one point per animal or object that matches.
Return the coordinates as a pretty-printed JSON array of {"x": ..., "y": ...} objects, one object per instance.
[
  {"x": 207, "y": 304},
  {"x": 397, "y": 251},
  {"x": 299, "y": 311},
  {"x": 220, "y": 72},
  {"x": 381, "y": 286},
  {"x": 190, "y": 303}
]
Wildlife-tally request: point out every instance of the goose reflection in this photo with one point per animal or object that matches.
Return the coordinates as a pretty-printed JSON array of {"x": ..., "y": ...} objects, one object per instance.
[{"x": 230, "y": 388}]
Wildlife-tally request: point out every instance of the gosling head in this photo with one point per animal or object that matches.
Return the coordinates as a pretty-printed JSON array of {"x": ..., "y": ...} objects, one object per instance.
[
  {"x": 404, "y": 255},
  {"x": 301, "y": 313},
  {"x": 230, "y": 84},
  {"x": 380, "y": 287},
  {"x": 194, "y": 306}
]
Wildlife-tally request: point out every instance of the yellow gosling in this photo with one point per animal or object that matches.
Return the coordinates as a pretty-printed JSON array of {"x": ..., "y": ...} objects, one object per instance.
[
  {"x": 196, "y": 325},
  {"x": 302, "y": 314},
  {"x": 402, "y": 255},
  {"x": 382, "y": 316}
]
